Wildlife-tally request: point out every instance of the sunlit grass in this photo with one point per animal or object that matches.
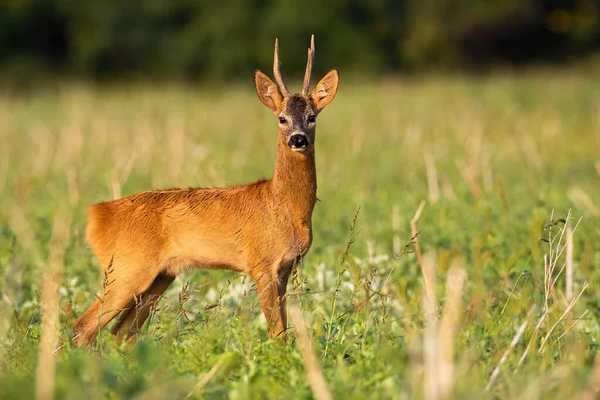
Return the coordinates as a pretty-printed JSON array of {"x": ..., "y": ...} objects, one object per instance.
[{"x": 493, "y": 159}]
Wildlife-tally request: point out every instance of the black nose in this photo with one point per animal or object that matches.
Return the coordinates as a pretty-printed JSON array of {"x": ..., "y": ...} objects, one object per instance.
[{"x": 298, "y": 141}]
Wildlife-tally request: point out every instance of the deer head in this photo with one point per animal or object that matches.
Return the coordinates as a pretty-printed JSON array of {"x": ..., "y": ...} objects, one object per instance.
[{"x": 296, "y": 113}]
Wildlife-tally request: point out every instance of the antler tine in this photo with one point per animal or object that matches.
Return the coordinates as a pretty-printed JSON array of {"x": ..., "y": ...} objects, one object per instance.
[
  {"x": 277, "y": 73},
  {"x": 311, "y": 57}
]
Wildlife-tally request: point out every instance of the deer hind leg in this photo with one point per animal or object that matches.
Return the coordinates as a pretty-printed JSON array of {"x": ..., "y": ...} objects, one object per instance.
[
  {"x": 133, "y": 317},
  {"x": 117, "y": 295}
]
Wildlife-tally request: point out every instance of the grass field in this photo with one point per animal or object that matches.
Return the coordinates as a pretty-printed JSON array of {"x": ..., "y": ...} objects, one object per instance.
[{"x": 497, "y": 297}]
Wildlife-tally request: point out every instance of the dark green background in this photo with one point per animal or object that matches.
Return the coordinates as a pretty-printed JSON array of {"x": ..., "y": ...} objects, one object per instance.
[{"x": 225, "y": 39}]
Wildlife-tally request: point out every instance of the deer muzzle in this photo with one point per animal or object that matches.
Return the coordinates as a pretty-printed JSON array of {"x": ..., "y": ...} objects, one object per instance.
[{"x": 298, "y": 142}]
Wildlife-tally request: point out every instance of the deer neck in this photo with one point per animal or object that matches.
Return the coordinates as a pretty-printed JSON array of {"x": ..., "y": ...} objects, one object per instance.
[{"x": 295, "y": 181}]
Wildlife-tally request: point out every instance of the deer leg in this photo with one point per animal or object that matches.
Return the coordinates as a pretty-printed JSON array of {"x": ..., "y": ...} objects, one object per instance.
[
  {"x": 268, "y": 293},
  {"x": 116, "y": 297},
  {"x": 284, "y": 273},
  {"x": 83, "y": 328},
  {"x": 133, "y": 317},
  {"x": 271, "y": 285}
]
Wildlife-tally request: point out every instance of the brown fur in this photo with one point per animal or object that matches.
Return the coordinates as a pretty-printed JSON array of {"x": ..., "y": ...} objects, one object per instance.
[{"x": 260, "y": 228}]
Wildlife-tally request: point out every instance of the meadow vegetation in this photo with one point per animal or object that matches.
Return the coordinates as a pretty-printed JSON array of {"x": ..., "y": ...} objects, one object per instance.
[{"x": 456, "y": 241}]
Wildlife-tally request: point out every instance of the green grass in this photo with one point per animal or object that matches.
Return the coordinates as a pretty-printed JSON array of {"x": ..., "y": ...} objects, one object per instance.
[{"x": 510, "y": 153}]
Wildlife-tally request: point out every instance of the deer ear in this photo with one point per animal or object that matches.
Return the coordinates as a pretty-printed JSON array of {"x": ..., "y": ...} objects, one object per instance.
[
  {"x": 325, "y": 90},
  {"x": 267, "y": 91}
]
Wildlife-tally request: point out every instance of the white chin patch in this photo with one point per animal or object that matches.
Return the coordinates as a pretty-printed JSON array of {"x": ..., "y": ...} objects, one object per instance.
[{"x": 298, "y": 148}]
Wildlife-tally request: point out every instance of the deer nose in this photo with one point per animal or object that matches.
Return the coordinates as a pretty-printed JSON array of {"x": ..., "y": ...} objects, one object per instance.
[{"x": 298, "y": 141}]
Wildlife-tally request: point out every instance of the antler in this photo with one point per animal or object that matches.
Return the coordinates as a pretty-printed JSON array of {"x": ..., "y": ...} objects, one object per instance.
[
  {"x": 277, "y": 73},
  {"x": 311, "y": 56}
]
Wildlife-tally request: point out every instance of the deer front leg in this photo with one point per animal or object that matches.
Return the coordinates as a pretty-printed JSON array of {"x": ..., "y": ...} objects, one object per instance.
[
  {"x": 284, "y": 273},
  {"x": 271, "y": 285}
]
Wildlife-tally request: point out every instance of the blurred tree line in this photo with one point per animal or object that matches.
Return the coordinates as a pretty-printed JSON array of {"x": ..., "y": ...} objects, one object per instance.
[{"x": 224, "y": 39}]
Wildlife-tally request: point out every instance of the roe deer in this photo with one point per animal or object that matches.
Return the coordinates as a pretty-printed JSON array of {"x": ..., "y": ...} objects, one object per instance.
[{"x": 143, "y": 241}]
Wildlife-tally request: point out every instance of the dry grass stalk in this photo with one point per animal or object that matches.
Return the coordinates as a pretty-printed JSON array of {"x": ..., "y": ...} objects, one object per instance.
[
  {"x": 469, "y": 175},
  {"x": 432, "y": 178},
  {"x": 448, "y": 190},
  {"x": 569, "y": 261},
  {"x": 569, "y": 307},
  {"x": 578, "y": 196},
  {"x": 431, "y": 344},
  {"x": 115, "y": 186},
  {"x": 171, "y": 389},
  {"x": 396, "y": 226},
  {"x": 25, "y": 237},
  {"x": 176, "y": 128},
  {"x": 555, "y": 251},
  {"x": 513, "y": 344},
  {"x": 450, "y": 317},
  {"x": 206, "y": 378},
  {"x": 128, "y": 167},
  {"x": 534, "y": 158},
  {"x": 23, "y": 232},
  {"x": 313, "y": 371},
  {"x": 486, "y": 171},
  {"x": 46, "y": 365},
  {"x": 120, "y": 174},
  {"x": 587, "y": 310},
  {"x": 542, "y": 385},
  {"x": 4, "y": 163},
  {"x": 415, "y": 235},
  {"x": 556, "y": 247},
  {"x": 532, "y": 340},
  {"x": 73, "y": 186}
]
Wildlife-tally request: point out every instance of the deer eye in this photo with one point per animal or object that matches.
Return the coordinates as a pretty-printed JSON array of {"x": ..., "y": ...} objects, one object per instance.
[
  {"x": 311, "y": 119},
  {"x": 282, "y": 120}
]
